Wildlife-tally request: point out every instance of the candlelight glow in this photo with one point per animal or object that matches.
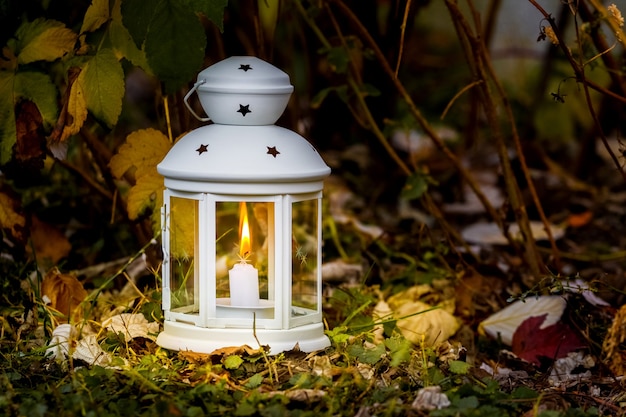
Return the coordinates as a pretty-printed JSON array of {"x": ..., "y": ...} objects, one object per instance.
[{"x": 244, "y": 231}]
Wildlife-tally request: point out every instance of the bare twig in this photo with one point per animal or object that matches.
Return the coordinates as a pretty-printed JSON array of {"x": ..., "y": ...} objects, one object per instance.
[{"x": 407, "y": 8}]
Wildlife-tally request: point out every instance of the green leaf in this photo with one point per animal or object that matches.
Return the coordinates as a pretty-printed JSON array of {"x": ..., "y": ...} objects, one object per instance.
[
  {"x": 7, "y": 116},
  {"x": 171, "y": 35},
  {"x": 175, "y": 44},
  {"x": 245, "y": 409},
  {"x": 233, "y": 362},
  {"x": 466, "y": 403},
  {"x": 136, "y": 17},
  {"x": 369, "y": 90},
  {"x": 122, "y": 42},
  {"x": 254, "y": 381},
  {"x": 338, "y": 59},
  {"x": 42, "y": 40},
  {"x": 338, "y": 334},
  {"x": 459, "y": 367},
  {"x": 399, "y": 350},
  {"x": 524, "y": 393},
  {"x": 34, "y": 86},
  {"x": 212, "y": 9},
  {"x": 96, "y": 15},
  {"x": 415, "y": 186},
  {"x": 319, "y": 98},
  {"x": 367, "y": 355},
  {"x": 38, "y": 88},
  {"x": 102, "y": 81}
]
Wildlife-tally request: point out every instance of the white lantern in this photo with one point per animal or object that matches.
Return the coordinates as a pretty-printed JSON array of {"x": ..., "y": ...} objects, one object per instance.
[{"x": 241, "y": 220}]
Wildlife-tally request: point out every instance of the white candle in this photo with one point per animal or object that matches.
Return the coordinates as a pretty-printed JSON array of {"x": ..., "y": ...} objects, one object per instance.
[
  {"x": 244, "y": 285},
  {"x": 243, "y": 277}
]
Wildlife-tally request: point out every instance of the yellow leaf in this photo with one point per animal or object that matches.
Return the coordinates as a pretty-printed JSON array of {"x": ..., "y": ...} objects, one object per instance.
[
  {"x": 51, "y": 40},
  {"x": 147, "y": 192},
  {"x": 96, "y": 15},
  {"x": 143, "y": 150},
  {"x": 9, "y": 218},
  {"x": 76, "y": 110},
  {"x": 422, "y": 325}
]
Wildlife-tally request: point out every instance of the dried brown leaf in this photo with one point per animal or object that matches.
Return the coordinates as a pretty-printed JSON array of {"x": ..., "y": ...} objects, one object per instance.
[
  {"x": 64, "y": 292},
  {"x": 49, "y": 243}
]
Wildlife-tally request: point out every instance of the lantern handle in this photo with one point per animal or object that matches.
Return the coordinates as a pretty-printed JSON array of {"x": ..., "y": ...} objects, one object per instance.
[{"x": 186, "y": 100}]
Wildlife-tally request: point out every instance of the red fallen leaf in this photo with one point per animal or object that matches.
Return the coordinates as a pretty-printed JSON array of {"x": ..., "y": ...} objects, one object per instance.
[{"x": 531, "y": 342}]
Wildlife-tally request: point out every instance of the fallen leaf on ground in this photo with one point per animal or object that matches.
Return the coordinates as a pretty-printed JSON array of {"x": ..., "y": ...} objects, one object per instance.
[
  {"x": 490, "y": 233},
  {"x": 132, "y": 326},
  {"x": 430, "y": 398},
  {"x": 64, "y": 293},
  {"x": 59, "y": 345},
  {"x": 505, "y": 322},
  {"x": 422, "y": 323},
  {"x": 88, "y": 350},
  {"x": 569, "y": 369},
  {"x": 578, "y": 286},
  {"x": 342, "y": 271},
  {"x": 533, "y": 343}
]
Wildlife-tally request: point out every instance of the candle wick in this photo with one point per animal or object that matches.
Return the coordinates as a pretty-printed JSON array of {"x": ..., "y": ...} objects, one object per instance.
[{"x": 243, "y": 259}]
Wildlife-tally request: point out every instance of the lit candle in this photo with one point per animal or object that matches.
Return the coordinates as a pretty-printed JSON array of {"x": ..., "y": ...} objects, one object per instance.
[{"x": 243, "y": 277}]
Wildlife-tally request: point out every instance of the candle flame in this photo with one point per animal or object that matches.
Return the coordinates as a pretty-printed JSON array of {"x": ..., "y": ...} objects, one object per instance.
[{"x": 244, "y": 232}]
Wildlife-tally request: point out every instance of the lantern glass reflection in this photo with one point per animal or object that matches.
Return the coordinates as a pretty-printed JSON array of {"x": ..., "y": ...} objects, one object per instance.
[
  {"x": 184, "y": 224},
  {"x": 304, "y": 258}
]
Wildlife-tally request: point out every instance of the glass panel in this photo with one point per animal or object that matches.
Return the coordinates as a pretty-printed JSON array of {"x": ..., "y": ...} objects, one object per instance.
[
  {"x": 183, "y": 241},
  {"x": 304, "y": 257},
  {"x": 244, "y": 249}
]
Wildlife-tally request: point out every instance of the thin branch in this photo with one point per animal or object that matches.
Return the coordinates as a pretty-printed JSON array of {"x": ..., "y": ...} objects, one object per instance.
[
  {"x": 402, "y": 34},
  {"x": 86, "y": 177},
  {"x": 457, "y": 96}
]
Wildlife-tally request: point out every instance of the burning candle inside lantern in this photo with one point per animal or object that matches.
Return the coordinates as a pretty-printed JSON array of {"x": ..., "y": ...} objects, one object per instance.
[{"x": 243, "y": 277}]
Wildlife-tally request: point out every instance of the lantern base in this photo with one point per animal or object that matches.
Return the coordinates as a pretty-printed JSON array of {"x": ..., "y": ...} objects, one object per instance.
[{"x": 183, "y": 336}]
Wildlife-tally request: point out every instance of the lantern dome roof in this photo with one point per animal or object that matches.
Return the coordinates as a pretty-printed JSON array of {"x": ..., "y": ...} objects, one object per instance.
[
  {"x": 244, "y": 74},
  {"x": 249, "y": 159}
]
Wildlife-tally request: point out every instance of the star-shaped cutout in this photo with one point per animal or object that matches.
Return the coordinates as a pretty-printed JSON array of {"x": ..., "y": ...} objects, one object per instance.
[
  {"x": 245, "y": 67},
  {"x": 202, "y": 149},
  {"x": 271, "y": 150},
  {"x": 244, "y": 109}
]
